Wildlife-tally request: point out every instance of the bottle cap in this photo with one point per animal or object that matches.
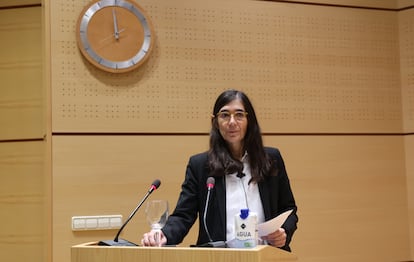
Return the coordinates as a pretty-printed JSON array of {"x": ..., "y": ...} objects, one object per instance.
[{"x": 244, "y": 213}]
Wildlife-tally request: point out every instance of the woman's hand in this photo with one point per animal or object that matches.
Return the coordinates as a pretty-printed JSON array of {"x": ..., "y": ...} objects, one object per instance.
[
  {"x": 154, "y": 238},
  {"x": 277, "y": 238}
]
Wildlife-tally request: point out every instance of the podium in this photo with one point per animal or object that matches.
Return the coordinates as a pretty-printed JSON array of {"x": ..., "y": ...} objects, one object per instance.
[{"x": 91, "y": 252}]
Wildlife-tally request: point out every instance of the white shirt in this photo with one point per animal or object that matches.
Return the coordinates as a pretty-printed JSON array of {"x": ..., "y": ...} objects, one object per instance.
[{"x": 238, "y": 197}]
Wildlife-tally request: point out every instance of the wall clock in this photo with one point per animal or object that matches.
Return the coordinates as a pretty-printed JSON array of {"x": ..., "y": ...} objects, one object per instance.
[{"x": 114, "y": 35}]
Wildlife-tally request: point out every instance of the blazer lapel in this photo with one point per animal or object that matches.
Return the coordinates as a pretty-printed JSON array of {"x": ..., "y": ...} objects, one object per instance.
[{"x": 265, "y": 196}]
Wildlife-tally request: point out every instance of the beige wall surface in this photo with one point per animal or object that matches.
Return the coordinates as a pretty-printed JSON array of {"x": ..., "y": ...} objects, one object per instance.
[
  {"x": 308, "y": 69},
  {"x": 363, "y": 3},
  {"x": 104, "y": 175},
  {"x": 409, "y": 156},
  {"x": 350, "y": 192},
  {"x": 22, "y": 189},
  {"x": 16, "y": 3},
  {"x": 21, "y": 95},
  {"x": 406, "y": 28},
  {"x": 349, "y": 189},
  {"x": 22, "y": 202},
  {"x": 312, "y": 69}
]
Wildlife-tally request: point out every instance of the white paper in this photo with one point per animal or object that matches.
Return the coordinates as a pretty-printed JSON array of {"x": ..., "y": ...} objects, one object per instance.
[{"x": 271, "y": 226}]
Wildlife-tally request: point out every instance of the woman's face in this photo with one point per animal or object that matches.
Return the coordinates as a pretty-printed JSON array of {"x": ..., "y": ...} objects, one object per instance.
[{"x": 232, "y": 123}]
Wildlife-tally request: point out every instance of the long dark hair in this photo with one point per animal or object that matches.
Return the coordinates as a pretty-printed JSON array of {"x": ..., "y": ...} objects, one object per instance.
[{"x": 221, "y": 161}]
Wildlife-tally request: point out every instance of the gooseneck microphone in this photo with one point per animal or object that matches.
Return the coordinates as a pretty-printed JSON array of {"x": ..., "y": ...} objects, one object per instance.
[
  {"x": 122, "y": 242},
  {"x": 210, "y": 185}
]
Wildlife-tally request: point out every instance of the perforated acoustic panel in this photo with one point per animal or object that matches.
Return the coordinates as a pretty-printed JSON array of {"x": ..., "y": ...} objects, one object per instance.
[
  {"x": 306, "y": 68},
  {"x": 406, "y": 26}
]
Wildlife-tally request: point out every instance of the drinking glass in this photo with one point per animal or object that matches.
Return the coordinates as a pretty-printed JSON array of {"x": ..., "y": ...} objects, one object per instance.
[{"x": 157, "y": 214}]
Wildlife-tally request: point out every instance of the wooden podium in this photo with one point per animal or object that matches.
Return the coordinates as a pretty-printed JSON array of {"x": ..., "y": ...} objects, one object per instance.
[{"x": 91, "y": 252}]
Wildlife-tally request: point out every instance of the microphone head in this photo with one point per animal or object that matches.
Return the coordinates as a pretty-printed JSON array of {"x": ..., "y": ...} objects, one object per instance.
[
  {"x": 155, "y": 185},
  {"x": 240, "y": 174},
  {"x": 210, "y": 182}
]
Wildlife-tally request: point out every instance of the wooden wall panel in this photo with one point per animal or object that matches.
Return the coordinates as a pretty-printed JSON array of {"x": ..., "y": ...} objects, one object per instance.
[
  {"x": 308, "y": 69},
  {"x": 22, "y": 189},
  {"x": 406, "y": 27},
  {"x": 392, "y": 4},
  {"x": 409, "y": 156},
  {"x": 22, "y": 203},
  {"x": 21, "y": 95},
  {"x": 17, "y": 3},
  {"x": 404, "y": 3},
  {"x": 101, "y": 175},
  {"x": 349, "y": 189},
  {"x": 312, "y": 69}
]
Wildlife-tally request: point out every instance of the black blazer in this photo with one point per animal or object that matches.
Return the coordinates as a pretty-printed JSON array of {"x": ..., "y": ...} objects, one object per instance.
[{"x": 275, "y": 193}]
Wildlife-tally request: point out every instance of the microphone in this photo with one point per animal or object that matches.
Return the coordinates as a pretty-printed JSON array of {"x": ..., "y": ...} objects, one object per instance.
[
  {"x": 210, "y": 185},
  {"x": 240, "y": 174},
  {"x": 122, "y": 242}
]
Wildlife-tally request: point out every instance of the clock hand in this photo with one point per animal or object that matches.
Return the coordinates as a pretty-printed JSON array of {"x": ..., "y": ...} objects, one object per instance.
[
  {"x": 112, "y": 35},
  {"x": 116, "y": 32}
]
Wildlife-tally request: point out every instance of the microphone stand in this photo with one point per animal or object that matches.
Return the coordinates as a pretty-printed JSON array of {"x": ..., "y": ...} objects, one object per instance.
[
  {"x": 211, "y": 243},
  {"x": 122, "y": 242}
]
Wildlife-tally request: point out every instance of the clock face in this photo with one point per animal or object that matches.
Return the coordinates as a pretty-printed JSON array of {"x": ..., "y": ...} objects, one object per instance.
[{"x": 114, "y": 35}]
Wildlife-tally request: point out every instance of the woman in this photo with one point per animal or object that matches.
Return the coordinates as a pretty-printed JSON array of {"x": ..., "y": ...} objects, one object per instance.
[{"x": 247, "y": 175}]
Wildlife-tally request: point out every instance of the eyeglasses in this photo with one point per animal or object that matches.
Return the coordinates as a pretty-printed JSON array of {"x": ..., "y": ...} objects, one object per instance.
[{"x": 226, "y": 116}]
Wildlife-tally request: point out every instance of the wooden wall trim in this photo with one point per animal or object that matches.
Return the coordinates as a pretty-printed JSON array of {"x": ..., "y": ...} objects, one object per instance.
[
  {"x": 19, "y": 6},
  {"x": 206, "y": 134}
]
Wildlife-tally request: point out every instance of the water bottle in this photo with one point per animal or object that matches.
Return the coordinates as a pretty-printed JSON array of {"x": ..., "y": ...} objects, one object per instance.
[{"x": 245, "y": 229}]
